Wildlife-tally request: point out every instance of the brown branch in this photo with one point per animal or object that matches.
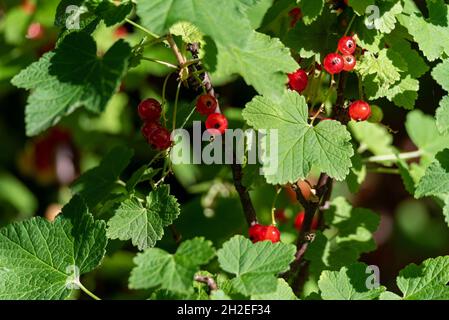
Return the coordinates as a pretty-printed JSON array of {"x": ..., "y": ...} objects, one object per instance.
[
  {"x": 338, "y": 110},
  {"x": 237, "y": 170},
  {"x": 207, "y": 280}
]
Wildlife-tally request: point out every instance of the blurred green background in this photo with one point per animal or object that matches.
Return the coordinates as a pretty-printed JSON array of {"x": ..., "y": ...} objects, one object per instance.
[{"x": 35, "y": 173}]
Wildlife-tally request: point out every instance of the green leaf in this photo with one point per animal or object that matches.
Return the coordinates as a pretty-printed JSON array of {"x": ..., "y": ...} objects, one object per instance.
[
  {"x": 360, "y": 6},
  {"x": 423, "y": 131},
  {"x": 442, "y": 115},
  {"x": 38, "y": 258},
  {"x": 435, "y": 182},
  {"x": 436, "y": 179},
  {"x": 112, "y": 13},
  {"x": 347, "y": 284},
  {"x": 240, "y": 49},
  {"x": 425, "y": 31},
  {"x": 427, "y": 281},
  {"x": 440, "y": 74},
  {"x": 311, "y": 9},
  {"x": 71, "y": 77},
  {"x": 255, "y": 265},
  {"x": 355, "y": 232},
  {"x": 259, "y": 50},
  {"x": 97, "y": 184},
  {"x": 373, "y": 137},
  {"x": 317, "y": 39},
  {"x": 357, "y": 174},
  {"x": 388, "y": 12},
  {"x": 283, "y": 292},
  {"x": 144, "y": 225},
  {"x": 326, "y": 146},
  {"x": 158, "y": 269}
]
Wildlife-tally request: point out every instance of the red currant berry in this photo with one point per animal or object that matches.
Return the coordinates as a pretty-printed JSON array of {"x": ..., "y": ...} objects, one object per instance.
[
  {"x": 216, "y": 124},
  {"x": 150, "y": 110},
  {"x": 299, "y": 220},
  {"x": 349, "y": 62},
  {"x": 160, "y": 139},
  {"x": 359, "y": 110},
  {"x": 149, "y": 128},
  {"x": 295, "y": 15},
  {"x": 298, "y": 80},
  {"x": 272, "y": 234},
  {"x": 206, "y": 104},
  {"x": 257, "y": 232},
  {"x": 28, "y": 7},
  {"x": 120, "y": 32},
  {"x": 346, "y": 45},
  {"x": 35, "y": 31},
  {"x": 333, "y": 63}
]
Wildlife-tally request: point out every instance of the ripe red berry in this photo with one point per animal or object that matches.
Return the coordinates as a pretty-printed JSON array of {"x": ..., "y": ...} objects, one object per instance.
[
  {"x": 206, "y": 104},
  {"x": 299, "y": 220},
  {"x": 346, "y": 45},
  {"x": 349, "y": 62},
  {"x": 298, "y": 80},
  {"x": 333, "y": 63},
  {"x": 160, "y": 138},
  {"x": 257, "y": 232},
  {"x": 150, "y": 110},
  {"x": 120, "y": 32},
  {"x": 359, "y": 110},
  {"x": 35, "y": 31},
  {"x": 295, "y": 15},
  {"x": 149, "y": 128},
  {"x": 272, "y": 234},
  {"x": 216, "y": 124},
  {"x": 28, "y": 7}
]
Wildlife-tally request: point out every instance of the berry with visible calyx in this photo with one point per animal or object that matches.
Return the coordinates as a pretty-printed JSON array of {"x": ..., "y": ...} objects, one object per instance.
[
  {"x": 359, "y": 110},
  {"x": 333, "y": 63},
  {"x": 35, "y": 31},
  {"x": 216, "y": 124},
  {"x": 160, "y": 139},
  {"x": 347, "y": 45},
  {"x": 298, "y": 80},
  {"x": 149, "y": 128},
  {"x": 150, "y": 110},
  {"x": 206, "y": 104},
  {"x": 257, "y": 232},
  {"x": 348, "y": 62},
  {"x": 272, "y": 234}
]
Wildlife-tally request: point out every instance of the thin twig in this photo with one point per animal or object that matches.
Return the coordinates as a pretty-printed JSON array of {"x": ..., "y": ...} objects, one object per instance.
[{"x": 237, "y": 170}]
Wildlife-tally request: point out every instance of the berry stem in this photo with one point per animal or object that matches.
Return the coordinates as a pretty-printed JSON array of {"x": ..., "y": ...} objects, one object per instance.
[
  {"x": 175, "y": 110},
  {"x": 86, "y": 291},
  {"x": 167, "y": 64},
  {"x": 349, "y": 25},
  {"x": 164, "y": 99},
  {"x": 273, "y": 206},
  {"x": 142, "y": 28},
  {"x": 394, "y": 157}
]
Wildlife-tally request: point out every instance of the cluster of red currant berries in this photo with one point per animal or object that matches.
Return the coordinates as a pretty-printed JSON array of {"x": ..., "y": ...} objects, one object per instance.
[
  {"x": 150, "y": 111},
  {"x": 335, "y": 63},
  {"x": 216, "y": 123},
  {"x": 258, "y": 232}
]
